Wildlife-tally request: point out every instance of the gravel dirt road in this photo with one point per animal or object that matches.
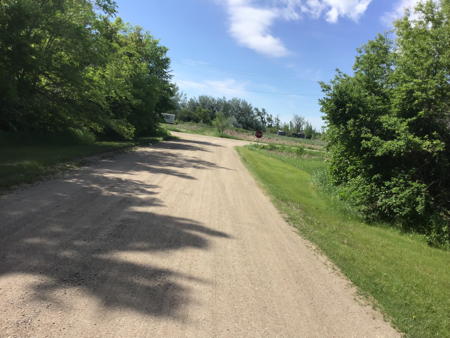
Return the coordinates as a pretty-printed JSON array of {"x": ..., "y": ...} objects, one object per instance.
[{"x": 173, "y": 240}]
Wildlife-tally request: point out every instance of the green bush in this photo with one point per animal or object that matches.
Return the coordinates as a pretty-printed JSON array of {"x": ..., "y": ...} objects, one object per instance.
[
  {"x": 72, "y": 136},
  {"x": 80, "y": 136},
  {"x": 119, "y": 130},
  {"x": 389, "y": 127},
  {"x": 299, "y": 151},
  {"x": 98, "y": 74},
  {"x": 221, "y": 122}
]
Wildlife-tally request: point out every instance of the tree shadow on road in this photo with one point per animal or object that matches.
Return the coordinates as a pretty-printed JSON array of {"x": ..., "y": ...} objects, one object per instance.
[
  {"x": 180, "y": 145},
  {"x": 87, "y": 256},
  {"x": 168, "y": 163},
  {"x": 199, "y": 143},
  {"x": 78, "y": 233}
]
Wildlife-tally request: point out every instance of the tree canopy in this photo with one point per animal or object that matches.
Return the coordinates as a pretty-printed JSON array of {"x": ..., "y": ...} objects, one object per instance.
[
  {"x": 389, "y": 124},
  {"x": 240, "y": 112},
  {"x": 74, "y": 65}
]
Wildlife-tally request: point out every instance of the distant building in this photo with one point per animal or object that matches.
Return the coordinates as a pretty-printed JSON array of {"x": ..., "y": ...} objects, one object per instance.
[
  {"x": 169, "y": 118},
  {"x": 281, "y": 133}
]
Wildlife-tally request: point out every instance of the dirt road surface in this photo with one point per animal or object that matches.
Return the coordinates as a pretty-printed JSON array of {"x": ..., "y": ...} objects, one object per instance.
[{"x": 173, "y": 240}]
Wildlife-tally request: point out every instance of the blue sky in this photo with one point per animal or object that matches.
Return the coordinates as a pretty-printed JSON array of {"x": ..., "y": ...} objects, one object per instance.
[{"x": 269, "y": 52}]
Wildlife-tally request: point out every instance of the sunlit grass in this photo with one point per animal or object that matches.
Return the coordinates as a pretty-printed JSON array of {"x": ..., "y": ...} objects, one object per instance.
[
  {"x": 408, "y": 280},
  {"x": 242, "y": 134}
]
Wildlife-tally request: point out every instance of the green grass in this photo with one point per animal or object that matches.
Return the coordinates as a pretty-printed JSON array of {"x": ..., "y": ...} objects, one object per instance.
[
  {"x": 26, "y": 163},
  {"x": 242, "y": 134},
  {"x": 194, "y": 128},
  {"x": 198, "y": 128},
  {"x": 287, "y": 139},
  {"x": 408, "y": 280}
]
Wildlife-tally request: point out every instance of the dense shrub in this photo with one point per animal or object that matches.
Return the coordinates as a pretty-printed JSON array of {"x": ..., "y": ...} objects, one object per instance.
[
  {"x": 70, "y": 65},
  {"x": 389, "y": 124}
]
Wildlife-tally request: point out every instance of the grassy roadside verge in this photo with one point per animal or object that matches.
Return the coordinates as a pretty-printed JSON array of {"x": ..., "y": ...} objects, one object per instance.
[
  {"x": 242, "y": 134},
  {"x": 27, "y": 163},
  {"x": 408, "y": 280},
  {"x": 199, "y": 129}
]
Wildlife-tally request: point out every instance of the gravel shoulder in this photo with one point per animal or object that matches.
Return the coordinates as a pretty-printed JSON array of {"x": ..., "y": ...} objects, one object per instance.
[{"x": 173, "y": 240}]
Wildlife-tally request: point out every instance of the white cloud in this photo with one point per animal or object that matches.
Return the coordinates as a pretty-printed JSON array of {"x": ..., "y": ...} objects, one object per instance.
[
  {"x": 232, "y": 88},
  {"x": 249, "y": 26},
  {"x": 331, "y": 9},
  {"x": 399, "y": 10},
  {"x": 226, "y": 87},
  {"x": 250, "y": 21},
  {"x": 352, "y": 9}
]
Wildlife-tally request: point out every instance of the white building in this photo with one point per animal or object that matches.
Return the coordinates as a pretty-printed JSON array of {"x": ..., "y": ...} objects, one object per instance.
[{"x": 169, "y": 118}]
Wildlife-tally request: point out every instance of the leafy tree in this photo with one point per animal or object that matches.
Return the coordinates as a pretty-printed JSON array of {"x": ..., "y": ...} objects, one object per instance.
[
  {"x": 297, "y": 123},
  {"x": 67, "y": 65},
  {"x": 309, "y": 131},
  {"x": 270, "y": 122},
  {"x": 277, "y": 122},
  {"x": 388, "y": 130},
  {"x": 286, "y": 127},
  {"x": 45, "y": 46},
  {"x": 241, "y": 113},
  {"x": 221, "y": 122},
  {"x": 261, "y": 119}
]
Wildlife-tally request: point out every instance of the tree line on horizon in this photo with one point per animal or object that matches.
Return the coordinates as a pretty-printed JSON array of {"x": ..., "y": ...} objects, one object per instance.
[
  {"x": 388, "y": 125},
  {"x": 73, "y": 66},
  {"x": 240, "y": 114}
]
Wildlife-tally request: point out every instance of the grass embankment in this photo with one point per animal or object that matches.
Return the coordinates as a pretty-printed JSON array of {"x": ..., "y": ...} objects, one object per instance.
[
  {"x": 25, "y": 161},
  {"x": 272, "y": 138},
  {"x": 408, "y": 280},
  {"x": 198, "y": 128},
  {"x": 242, "y": 134}
]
